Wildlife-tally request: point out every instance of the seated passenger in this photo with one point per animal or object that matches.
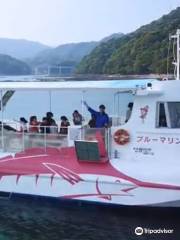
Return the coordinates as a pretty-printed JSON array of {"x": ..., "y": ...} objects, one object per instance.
[
  {"x": 23, "y": 124},
  {"x": 64, "y": 125},
  {"x": 92, "y": 121},
  {"x": 102, "y": 118},
  {"x": 129, "y": 111},
  {"x": 33, "y": 124},
  {"x": 77, "y": 118},
  {"x": 50, "y": 122}
]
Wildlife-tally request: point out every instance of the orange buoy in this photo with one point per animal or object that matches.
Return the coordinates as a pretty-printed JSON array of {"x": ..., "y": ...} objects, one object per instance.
[{"x": 121, "y": 137}]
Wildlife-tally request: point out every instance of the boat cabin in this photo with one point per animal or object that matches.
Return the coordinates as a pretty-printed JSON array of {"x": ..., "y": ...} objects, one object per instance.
[
  {"x": 15, "y": 139},
  {"x": 153, "y": 123}
]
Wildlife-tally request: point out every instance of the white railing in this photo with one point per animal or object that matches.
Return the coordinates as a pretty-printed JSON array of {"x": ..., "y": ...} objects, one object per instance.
[{"x": 18, "y": 141}]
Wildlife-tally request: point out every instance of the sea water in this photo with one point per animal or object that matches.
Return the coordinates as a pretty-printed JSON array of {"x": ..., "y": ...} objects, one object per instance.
[{"x": 34, "y": 220}]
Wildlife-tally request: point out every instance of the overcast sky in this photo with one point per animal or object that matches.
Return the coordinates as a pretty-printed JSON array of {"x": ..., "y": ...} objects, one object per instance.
[{"x": 54, "y": 22}]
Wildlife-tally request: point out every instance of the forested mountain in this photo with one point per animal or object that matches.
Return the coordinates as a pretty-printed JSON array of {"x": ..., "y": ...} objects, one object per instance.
[
  {"x": 141, "y": 52},
  {"x": 12, "y": 66},
  {"x": 112, "y": 36},
  {"x": 20, "y": 48},
  {"x": 38, "y": 55},
  {"x": 66, "y": 54}
]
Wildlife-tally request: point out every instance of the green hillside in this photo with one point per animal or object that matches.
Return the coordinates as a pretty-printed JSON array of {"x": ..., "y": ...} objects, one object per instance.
[
  {"x": 141, "y": 52},
  {"x": 12, "y": 66},
  {"x": 66, "y": 54}
]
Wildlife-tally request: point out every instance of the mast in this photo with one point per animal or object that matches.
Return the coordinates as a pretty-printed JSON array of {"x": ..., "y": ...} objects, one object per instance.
[{"x": 177, "y": 63}]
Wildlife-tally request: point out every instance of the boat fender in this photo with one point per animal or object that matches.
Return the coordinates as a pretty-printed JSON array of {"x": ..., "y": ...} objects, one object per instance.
[{"x": 121, "y": 137}]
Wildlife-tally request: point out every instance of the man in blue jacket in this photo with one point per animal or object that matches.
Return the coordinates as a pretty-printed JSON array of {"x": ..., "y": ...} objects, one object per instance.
[{"x": 102, "y": 119}]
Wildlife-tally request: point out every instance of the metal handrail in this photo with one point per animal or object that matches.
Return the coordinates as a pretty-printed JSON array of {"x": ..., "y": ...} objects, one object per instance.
[{"x": 21, "y": 140}]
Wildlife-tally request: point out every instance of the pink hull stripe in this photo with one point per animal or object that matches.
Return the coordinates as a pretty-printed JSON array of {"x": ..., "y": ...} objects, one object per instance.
[
  {"x": 104, "y": 196},
  {"x": 64, "y": 163}
]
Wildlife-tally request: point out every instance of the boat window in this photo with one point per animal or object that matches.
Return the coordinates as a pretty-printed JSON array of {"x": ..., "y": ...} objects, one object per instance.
[
  {"x": 162, "y": 121},
  {"x": 174, "y": 114}
]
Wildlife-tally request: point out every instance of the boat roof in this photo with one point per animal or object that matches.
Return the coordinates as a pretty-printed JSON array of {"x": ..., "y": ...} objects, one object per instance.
[{"x": 122, "y": 85}]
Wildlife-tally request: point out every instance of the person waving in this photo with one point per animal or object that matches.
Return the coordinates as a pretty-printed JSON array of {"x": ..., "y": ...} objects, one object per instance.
[{"x": 102, "y": 118}]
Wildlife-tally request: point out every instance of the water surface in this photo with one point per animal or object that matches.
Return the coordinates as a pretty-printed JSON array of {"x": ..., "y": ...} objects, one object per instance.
[{"x": 33, "y": 220}]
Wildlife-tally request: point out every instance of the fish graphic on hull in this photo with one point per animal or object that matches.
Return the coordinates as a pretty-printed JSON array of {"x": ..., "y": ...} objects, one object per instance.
[{"x": 63, "y": 163}]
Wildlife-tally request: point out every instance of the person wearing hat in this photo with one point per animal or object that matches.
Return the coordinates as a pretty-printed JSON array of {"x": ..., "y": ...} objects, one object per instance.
[{"x": 102, "y": 118}]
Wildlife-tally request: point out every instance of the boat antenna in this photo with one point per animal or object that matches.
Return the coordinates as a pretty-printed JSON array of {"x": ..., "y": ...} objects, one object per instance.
[
  {"x": 176, "y": 62},
  {"x": 168, "y": 57}
]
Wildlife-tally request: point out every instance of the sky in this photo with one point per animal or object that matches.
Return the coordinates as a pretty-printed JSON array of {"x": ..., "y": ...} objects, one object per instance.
[{"x": 55, "y": 22}]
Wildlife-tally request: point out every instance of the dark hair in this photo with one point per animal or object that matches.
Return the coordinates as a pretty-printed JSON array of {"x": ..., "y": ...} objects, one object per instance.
[
  {"x": 44, "y": 119},
  {"x": 130, "y": 105},
  {"x": 75, "y": 111},
  {"x": 32, "y": 118},
  {"x": 22, "y": 119},
  {"x": 49, "y": 114},
  {"x": 64, "y": 118},
  {"x": 102, "y": 106}
]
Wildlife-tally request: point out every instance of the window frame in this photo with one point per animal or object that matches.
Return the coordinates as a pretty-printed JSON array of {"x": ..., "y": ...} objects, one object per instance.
[
  {"x": 167, "y": 114},
  {"x": 168, "y": 122}
]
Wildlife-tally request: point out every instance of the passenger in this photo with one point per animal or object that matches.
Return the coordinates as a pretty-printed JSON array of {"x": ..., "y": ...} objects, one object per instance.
[
  {"x": 129, "y": 111},
  {"x": 102, "y": 118},
  {"x": 92, "y": 121},
  {"x": 23, "y": 124},
  {"x": 50, "y": 122},
  {"x": 43, "y": 125},
  {"x": 33, "y": 124},
  {"x": 64, "y": 125},
  {"x": 77, "y": 118}
]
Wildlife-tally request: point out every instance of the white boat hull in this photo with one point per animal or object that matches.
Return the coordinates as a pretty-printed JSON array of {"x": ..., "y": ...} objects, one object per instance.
[{"x": 99, "y": 191}]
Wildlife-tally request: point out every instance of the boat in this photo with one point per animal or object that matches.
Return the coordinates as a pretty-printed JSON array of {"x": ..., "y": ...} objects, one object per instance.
[{"x": 131, "y": 163}]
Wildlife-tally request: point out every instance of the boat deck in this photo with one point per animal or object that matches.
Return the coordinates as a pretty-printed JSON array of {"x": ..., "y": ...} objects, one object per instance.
[{"x": 61, "y": 161}]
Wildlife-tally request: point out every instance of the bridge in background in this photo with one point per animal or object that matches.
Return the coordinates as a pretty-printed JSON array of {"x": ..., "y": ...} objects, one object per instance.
[{"x": 54, "y": 70}]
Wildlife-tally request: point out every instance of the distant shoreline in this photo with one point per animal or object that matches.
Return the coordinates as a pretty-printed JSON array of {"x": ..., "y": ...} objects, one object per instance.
[
  {"x": 119, "y": 76},
  {"x": 83, "y": 77},
  {"x": 98, "y": 77}
]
